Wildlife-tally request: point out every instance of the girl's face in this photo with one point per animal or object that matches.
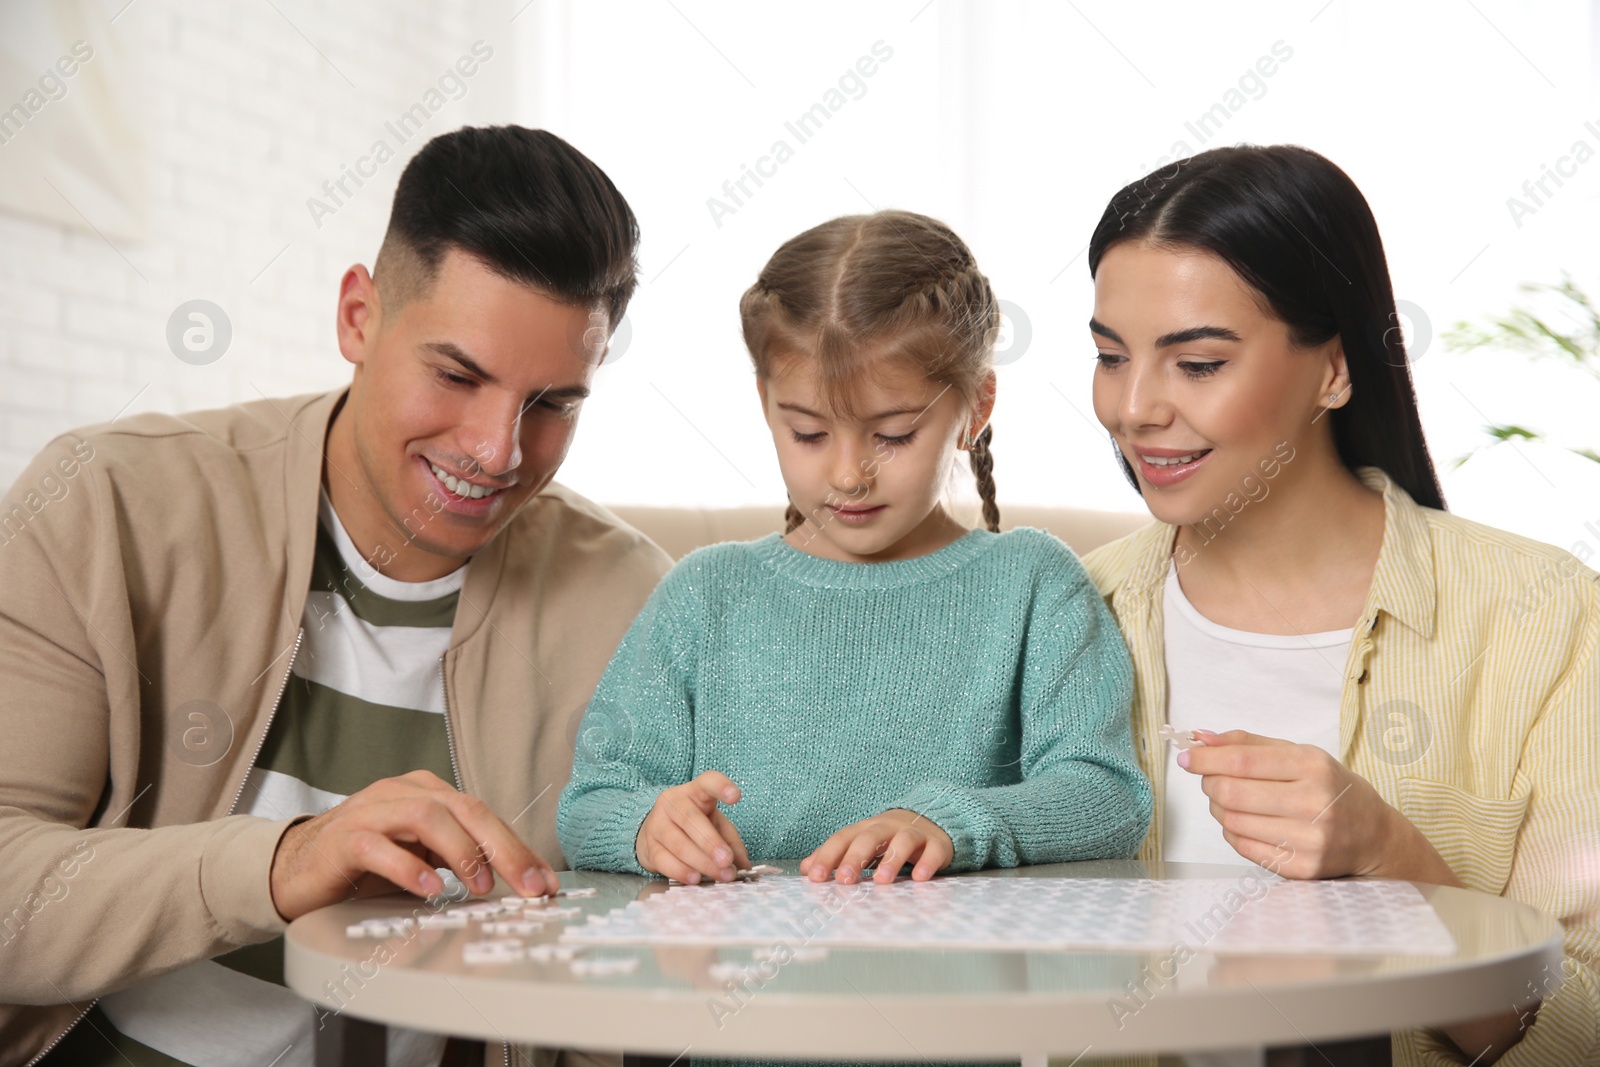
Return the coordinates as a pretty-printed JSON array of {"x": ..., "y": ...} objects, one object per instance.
[
  {"x": 1201, "y": 388},
  {"x": 868, "y": 485}
]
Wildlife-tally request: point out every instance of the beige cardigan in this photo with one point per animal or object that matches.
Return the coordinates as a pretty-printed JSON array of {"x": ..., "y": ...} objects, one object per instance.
[{"x": 160, "y": 561}]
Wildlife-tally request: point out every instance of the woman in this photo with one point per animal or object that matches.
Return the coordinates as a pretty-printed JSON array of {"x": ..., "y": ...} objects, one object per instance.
[{"x": 1396, "y": 692}]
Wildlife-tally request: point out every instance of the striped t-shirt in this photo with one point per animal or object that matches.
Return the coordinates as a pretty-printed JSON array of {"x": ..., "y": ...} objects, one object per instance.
[{"x": 364, "y": 701}]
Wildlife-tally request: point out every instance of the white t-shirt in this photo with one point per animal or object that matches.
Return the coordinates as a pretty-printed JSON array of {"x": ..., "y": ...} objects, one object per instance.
[
  {"x": 364, "y": 701},
  {"x": 1220, "y": 679}
]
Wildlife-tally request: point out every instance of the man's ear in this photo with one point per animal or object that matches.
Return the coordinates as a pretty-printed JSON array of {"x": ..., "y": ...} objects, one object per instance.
[{"x": 359, "y": 316}]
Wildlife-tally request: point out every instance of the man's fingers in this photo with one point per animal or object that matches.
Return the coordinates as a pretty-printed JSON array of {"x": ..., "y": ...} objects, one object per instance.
[
  {"x": 372, "y": 851},
  {"x": 493, "y": 845},
  {"x": 423, "y": 822}
]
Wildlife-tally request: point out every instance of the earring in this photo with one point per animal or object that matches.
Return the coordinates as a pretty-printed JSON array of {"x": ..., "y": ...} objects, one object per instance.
[{"x": 1333, "y": 398}]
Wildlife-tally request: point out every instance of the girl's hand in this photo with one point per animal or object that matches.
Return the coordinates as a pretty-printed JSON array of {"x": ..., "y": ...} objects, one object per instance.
[
  {"x": 686, "y": 835},
  {"x": 894, "y": 838},
  {"x": 1299, "y": 812}
]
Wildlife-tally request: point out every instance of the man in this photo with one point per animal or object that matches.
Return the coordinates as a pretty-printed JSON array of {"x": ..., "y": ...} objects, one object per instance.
[{"x": 371, "y": 606}]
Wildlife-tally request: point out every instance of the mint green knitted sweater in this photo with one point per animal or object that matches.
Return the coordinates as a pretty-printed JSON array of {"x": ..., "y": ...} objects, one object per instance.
[{"x": 984, "y": 685}]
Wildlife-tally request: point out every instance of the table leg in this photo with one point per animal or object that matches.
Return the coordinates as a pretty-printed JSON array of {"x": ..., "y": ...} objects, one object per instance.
[
  {"x": 346, "y": 1042},
  {"x": 1363, "y": 1052}
]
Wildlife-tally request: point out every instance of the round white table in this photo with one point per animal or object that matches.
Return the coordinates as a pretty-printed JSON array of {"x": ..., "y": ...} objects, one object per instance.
[{"x": 908, "y": 1004}]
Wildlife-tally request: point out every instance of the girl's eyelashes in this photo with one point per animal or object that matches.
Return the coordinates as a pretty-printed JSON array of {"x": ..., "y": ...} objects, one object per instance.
[
  {"x": 813, "y": 438},
  {"x": 451, "y": 379},
  {"x": 1108, "y": 360}
]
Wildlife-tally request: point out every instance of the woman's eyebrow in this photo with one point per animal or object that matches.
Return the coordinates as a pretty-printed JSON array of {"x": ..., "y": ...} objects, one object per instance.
[
  {"x": 1177, "y": 337},
  {"x": 1196, "y": 333}
]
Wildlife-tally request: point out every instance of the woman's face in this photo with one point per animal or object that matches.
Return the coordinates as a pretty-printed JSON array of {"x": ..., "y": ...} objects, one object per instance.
[{"x": 1200, "y": 387}]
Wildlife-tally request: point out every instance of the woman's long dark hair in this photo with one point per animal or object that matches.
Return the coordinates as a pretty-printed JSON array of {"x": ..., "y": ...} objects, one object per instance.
[{"x": 1296, "y": 229}]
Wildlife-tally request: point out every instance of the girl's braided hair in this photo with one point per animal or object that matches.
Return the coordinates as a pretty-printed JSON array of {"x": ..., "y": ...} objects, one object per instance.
[{"x": 895, "y": 284}]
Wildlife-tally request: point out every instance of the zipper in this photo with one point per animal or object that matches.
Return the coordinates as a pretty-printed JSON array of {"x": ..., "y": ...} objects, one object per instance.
[
  {"x": 272, "y": 713},
  {"x": 63, "y": 1035},
  {"x": 449, "y": 737},
  {"x": 455, "y": 772}
]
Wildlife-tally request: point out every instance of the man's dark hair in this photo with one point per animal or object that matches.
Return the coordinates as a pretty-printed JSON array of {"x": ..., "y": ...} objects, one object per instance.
[{"x": 523, "y": 202}]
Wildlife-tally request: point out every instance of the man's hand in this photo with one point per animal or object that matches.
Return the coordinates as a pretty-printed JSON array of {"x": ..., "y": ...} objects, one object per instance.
[
  {"x": 686, "y": 836},
  {"x": 394, "y": 833},
  {"x": 894, "y": 838}
]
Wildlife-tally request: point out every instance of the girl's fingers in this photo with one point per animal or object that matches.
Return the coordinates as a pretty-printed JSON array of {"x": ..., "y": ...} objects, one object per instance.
[
  {"x": 867, "y": 841},
  {"x": 663, "y": 862},
  {"x": 698, "y": 826},
  {"x": 936, "y": 856},
  {"x": 903, "y": 848},
  {"x": 819, "y": 866},
  {"x": 730, "y": 834},
  {"x": 681, "y": 847},
  {"x": 718, "y": 786}
]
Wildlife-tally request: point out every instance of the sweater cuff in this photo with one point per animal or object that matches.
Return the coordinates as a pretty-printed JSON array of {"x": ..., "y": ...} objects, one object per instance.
[
  {"x": 612, "y": 841},
  {"x": 236, "y": 877},
  {"x": 941, "y": 804}
]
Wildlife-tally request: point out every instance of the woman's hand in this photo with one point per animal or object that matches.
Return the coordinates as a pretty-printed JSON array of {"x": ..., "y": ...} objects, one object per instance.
[
  {"x": 1299, "y": 812},
  {"x": 686, "y": 835},
  {"x": 895, "y": 838}
]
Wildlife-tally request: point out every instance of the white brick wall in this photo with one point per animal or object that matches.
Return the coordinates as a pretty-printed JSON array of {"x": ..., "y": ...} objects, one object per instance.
[{"x": 242, "y": 119}]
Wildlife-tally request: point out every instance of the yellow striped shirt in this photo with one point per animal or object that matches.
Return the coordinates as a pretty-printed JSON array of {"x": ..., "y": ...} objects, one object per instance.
[{"x": 1472, "y": 704}]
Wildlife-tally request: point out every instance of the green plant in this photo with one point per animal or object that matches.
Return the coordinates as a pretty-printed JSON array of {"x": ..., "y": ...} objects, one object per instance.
[{"x": 1564, "y": 324}]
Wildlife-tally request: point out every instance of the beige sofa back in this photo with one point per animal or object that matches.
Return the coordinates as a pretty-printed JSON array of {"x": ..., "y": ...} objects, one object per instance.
[{"x": 680, "y": 531}]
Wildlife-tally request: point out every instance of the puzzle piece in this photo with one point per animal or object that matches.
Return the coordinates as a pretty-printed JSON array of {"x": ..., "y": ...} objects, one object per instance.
[
  {"x": 747, "y": 874},
  {"x": 604, "y": 968},
  {"x": 1183, "y": 739},
  {"x": 508, "y": 950},
  {"x": 1257, "y": 913}
]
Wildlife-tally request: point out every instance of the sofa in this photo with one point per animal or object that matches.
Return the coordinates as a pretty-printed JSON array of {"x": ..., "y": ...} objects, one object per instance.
[{"x": 680, "y": 531}]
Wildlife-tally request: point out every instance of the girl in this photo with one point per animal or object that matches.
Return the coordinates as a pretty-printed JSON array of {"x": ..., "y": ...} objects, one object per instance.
[
  {"x": 1405, "y": 694},
  {"x": 878, "y": 686}
]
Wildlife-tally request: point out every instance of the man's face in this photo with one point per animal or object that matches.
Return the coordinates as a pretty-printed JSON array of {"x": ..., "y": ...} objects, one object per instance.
[{"x": 463, "y": 405}]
